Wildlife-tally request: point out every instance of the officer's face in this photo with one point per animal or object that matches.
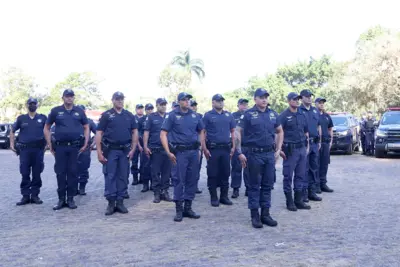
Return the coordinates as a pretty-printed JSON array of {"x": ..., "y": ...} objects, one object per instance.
[
  {"x": 184, "y": 103},
  {"x": 149, "y": 111},
  {"x": 261, "y": 101},
  {"x": 369, "y": 115},
  {"x": 218, "y": 104},
  {"x": 321, "y": 105},
  {"x": 139, "y": 111},
  {"x": 294, "y": 103},
  {"x": 161, "y": 108},
  {"x": 243, "y": 106},
  {"x": 118, "y": 102},
  {"x": 306, "y": 100},
  {"x": 194, "y": 108},
  {"x": 68, "y": 99}
]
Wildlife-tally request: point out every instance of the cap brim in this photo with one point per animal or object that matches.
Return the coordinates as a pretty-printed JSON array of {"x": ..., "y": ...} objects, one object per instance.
[
  {"x": 243, "y": 101},
  {"x": 140, "y": 107},
  {"x": 69, "y": 94},
  {"x": 220, "y": 99},
  {"x": 320, "y": 100}
]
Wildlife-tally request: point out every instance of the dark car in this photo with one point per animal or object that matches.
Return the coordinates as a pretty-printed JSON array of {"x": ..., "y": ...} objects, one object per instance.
[
  {"x": 345, "y": 133},
  {"x": 387, "y": 135},
  {"x": 5, "y": 129}
]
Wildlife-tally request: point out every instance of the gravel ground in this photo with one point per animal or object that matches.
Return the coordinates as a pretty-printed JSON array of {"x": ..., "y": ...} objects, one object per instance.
[{"x": 358, "y": 225}]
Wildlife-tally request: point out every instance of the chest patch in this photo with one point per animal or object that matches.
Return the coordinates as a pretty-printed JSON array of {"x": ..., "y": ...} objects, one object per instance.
[
  {"x": 315, "y": 111},
  {"x": 193, "y": 116},
  {"x": 39, "y": 120},
  {"x": 227, "y": 114},
  {"x": 178, "y": 117},
  {"x": 76, "y": 114}
]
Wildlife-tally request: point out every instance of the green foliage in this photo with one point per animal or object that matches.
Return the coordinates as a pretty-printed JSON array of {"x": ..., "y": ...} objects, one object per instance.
[{"x": 189, "y": 65}]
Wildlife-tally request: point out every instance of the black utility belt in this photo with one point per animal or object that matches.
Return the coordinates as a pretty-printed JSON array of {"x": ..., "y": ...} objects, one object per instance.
[
  {"x": 39, "y": 144},
  {"x": 313, "y": 140},
  {"x": 111, "y": 146},
  {"x": 260, "y": 149},
  {"x": 180, "y": 148},
  {"x": 326, "y": 140},
  {"x": 211, "y": 145},
  {"x": 294, "y": 145},
  {"x": 157, "y": 149},
  {"x": 68, "y": 143}
]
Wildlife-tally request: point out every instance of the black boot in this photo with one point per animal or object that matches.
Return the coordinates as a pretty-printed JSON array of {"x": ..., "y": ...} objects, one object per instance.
[
  {"x": 305, "y": 196},
  {"x": 266, "y": 218},
  {"x": 120, "y": 207},
  {"x": 298, "y": 201},
  {"x": 223, "y": 199},
  {"x": 24, "y": 200},
  {"x": 255, "y": 219},
  {"x": 289, "y": 201},
  {"x": 61, "y": 204},
  {"x": 36, "y": 200},
  {"x": 145, "y": 187},
  {"x": 157, "y": 196},
  {"x": 71, "y": 203},
  {"x": 179, "y": 211},
  {"x": 213, "y": 197},
  {"x": 325, "y": 188},
  {"x": 188, "y": 212},
  {"x": 313, "y": 196},
  {"x": 110, "y": 208},
  {"x": 135, "y": 180},
  {"x": 82, "y": 190},
  {"x": 318, "y": 189},
  {"x": 165, "y": 195},
  {"x": 235, "y": 193}
]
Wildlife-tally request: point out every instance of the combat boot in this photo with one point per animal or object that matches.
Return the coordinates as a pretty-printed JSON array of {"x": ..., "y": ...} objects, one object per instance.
[
  {"x": 36, "y": 200},
  {"x": 71, "y": 203},
  {"x": 305, "y": 196},
  {"x": 235, "y": 193},
  {"x": 157, "y": 197},
  {"x": 318, "y": 189},
  {"x": 312, "y": 196},
  {"x": 165, "y": 195},
  {"x": 119, "y": 207},
  {"x": 298, "y": 201},
  {"x": 266, "y": 218},
  {"x": 223, "y": 199},
  {"x": 188, "y": 212},
  {"x": 61, "y": 204},
  {"x": 82, "y": 189},
  {"x": 213, "y": 197},
  {"x": 24, "y": 200},
  {"x": 325, "y": 188},
  {"x": 145, "y": 187},
  {"x": 135, "y": 180},
  {"x": 289, "y": 201},
  {"x": 110, "y": 207},
  {"x": 179, "y": 211},
  {"x": 255, "y": 219}
]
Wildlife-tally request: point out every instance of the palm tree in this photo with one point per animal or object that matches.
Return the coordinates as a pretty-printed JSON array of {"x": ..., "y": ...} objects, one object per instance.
[{"x": 184, "y": 61}]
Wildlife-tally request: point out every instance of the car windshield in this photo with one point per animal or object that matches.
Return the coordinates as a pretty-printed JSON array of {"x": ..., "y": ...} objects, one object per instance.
[
  {"x": 391, "y": 118},
  {"x": 339, "y": 121}
]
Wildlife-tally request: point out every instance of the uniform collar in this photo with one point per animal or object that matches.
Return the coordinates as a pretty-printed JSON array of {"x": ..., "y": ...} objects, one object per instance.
[
  {"x": 112, "y": 110},
  {"x": 255, "y": 108},
  {"x": 72, "y": 109},
  {"x": 215, "y": 112},
  {"x": 302, "y": 106},
  {"x": 178, "y": 110}
]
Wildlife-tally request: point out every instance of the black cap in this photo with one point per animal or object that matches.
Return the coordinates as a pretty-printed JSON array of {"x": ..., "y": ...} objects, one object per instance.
[
  {"x": 118, "y": 95},
  {"x": 82, "y": 107},
  {"x": 293, "y": 96},
  {"x": 243, "y": 100},
  {"x": 138, "y": 106},
  {"x": 306, "y": 92},
  {"x": 319, "y": 99},
  {"x": 193, "y": 103},
  {"x": 32, "y": 100},
  {"x": 161, "y": 101},
  {"x": 260, "y": 92},
  {"x": 148, "y": 106},
  {"x": 175, "y": 104},
  {"x": 184, "y": 95},
  {"x": 218, "y": 97},
  {"x": 68, "y": 92}
]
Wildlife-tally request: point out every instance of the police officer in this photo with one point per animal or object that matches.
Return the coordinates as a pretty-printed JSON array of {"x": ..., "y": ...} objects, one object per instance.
[
  {"x": 145, "y": 173},
  {"x": 30, "y": 147},
  {"x": 256, "y": 132},
  {"x": 160, "y": 164},
  {"x": 294, "y": 152},
  {"x": 236, "y": 172},
  {"x": 219, "y": 126},
  {"x": 369, "y": 129},
  {"x": 136, "y": 157},
  {"x": 326, "y": 143},
  {"x": 193, "y": 106},
  {"x": 314, "y": 131},
  {"x": 362, "y": 132},
  {"x": 116, "y": 141},
  {"x": 84, "y": 159},
  {"x": 70, "y": 125},
  {"x": 182, "y": 128}
]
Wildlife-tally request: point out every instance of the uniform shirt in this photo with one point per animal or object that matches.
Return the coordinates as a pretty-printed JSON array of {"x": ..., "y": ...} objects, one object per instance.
[
  {"x": 294, "y": 126},
  {"x": 69, "y": 123},
  {"x": 218, "y": 126},
  {"x": 258, "y": 127},
  {"x": 236, "y": 115},
  {"x": 92, "y": 126},
  {"x": 312, "y": 116},
  {"x": 153, "y": 125},
  {"x": 117, "y": 127},
  {"x": 140, "y": 122},
  {"x": 30, "y": 130},
  {"x": 369, "y": 124},
  {"x": 182, "y": 127},
  {"x": 325, "y": 121}
]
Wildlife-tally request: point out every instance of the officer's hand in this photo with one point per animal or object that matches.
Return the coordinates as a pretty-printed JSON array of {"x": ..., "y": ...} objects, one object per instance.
[
  {"x": 147, "y": 151},
  {"x": 101, "y": 158},
  {"x": 140, "y": 148},
  {"x": 243, "y": 160},
  {"x": 282, "y": 154},
  {"x": 13, "y": 149},
  {"x": 172, "y": 158},
  {"x": 207, "y": 154},
  {"x": 82, "y": 149},
  {"x": 277, "y": 154},
  {"x": 308, "y": 150},
  {"x": 232, "y": 152},
  {"x": 130, "y": 154}
]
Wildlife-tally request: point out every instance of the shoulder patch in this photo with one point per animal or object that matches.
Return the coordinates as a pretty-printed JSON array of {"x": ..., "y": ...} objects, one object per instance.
[
  {"x": 193, "y": 115},
  {"x": 166, "y": 116},
  {"x": 241, "y": 117},
  {"x": 227, "y": 114}
]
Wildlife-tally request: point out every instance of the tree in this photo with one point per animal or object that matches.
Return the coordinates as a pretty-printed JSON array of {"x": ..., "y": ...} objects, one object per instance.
[
  {"x": 174, "y": 81},
  {"x": 189, "y": 65}
]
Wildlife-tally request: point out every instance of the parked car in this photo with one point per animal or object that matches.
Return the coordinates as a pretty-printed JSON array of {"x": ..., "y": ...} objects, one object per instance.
[
  {"x": 387, "y": 134},
  {"x": 346, "y": 136},
  {"x": 5, "y": 129}
]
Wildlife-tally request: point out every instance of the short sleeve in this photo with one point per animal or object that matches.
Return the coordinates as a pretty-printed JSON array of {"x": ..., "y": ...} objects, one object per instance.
[
  {"x": 242, "y": 119},
  {"x": 134, "y": 122},
  {"x": 92, "y": 126},
  {"x": 281, "y": 119},
  {"x": 232, "y": 123},
  {"x": 200, "y": 125},
  {"x": 52, "y": 117},
  {"x": 103, "y": 122},
  {"x": 205, "y": 120},
  {"x": 330, "y": 123},
  {"x": 168, "y": 122},
  {"x": 277, "y": 121},
  {"x": 17, "y": 124},
  {"x": 147, "y": 124},
  {"x": 84, "y": 119}
]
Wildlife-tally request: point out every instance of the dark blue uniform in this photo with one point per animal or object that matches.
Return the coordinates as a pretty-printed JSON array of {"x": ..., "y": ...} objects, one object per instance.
[
  {"x": 84, "y": 160},
  {"x": 31, "y": 143},
  {"x": 117, "y": 139},
  {"x": 369, "y": 129},
  {"x": 137, "y": 156},
  {"x": 324, "y": 153},
  {"x": 362, "y": 136},
  {"x": 145, "y": 172},
  {"x": 258, "y": 144},
  {"x": 68, "y": 134},
  {"x": 200, "y": 161}
]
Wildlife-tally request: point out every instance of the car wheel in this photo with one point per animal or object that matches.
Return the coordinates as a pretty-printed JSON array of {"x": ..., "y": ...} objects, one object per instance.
[
  {"x": 349, "y": 150},
  {"x": 379, "y": 153}
]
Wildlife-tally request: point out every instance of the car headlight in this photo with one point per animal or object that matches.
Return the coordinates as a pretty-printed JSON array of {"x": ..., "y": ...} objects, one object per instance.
[
  {"x": 380, "y": 133},
  {"x": 343, "y": 133}
]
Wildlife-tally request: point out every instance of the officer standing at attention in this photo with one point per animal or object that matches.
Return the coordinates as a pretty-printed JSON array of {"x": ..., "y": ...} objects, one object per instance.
[
  {"x": 219, "y": 126},
  {"x": 139, "y": 149},
  {"x": 326, "y": 143},
  {"x": 256, "y": 132},
  {"x": 182, "y": 128},
  {"x": 294, "y": 152},
  {"x": 236, "y": 172},
  {"x": 145, "y": 172},
  {"x": 314, "y": 131},
  {"x": 30, "y": 147},
  {"x": 84, "y": 159},
  {"x": 193, "y": 106},
  {"x": 159, "y": 162},
  {"x": 369, "y": 129},
  {"x": 70, "y": 124},
  {"x": 116, "y": 141}
]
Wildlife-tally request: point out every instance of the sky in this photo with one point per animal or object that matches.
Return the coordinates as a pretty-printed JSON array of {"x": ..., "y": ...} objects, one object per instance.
[{"x": 128, "y": 43}]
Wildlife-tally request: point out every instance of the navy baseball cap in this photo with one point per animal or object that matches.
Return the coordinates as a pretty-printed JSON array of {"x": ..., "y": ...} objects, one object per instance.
[
  {"x": 243, "y": 100},
  {"x": 218, "y": 97},
  {"x": 118, "y": 95},
  {"x": 293, "y": 96},
  {"x": 82, "y": 107},
  {"x": 319, "y": 99},
  {"x": 260, "y": 92},
  {"x": 193, "y": 103},
  {"x": 306, "y": 92},
  {"x": 161, "y": 101},
  {"x": 184, "y": 95},
  {"x": 175, "y": 104},
  {"x": 148, "y": 106},
  {"x": 68, "y": 92},
  {"x": 139, "y": 106},
  {"x": 32, "y": 100}
]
